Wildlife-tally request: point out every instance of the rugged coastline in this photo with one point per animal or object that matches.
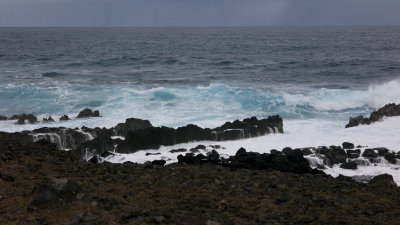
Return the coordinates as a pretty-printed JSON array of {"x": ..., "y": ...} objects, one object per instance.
[{"x": 44, "y": 185}]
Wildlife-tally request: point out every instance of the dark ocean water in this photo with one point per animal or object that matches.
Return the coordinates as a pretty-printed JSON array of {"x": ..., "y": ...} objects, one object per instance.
[{"x": 175, "y": 76}]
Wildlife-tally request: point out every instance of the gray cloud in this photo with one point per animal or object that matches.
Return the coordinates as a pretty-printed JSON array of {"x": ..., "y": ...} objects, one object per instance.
[{"x": 198, "y": 12}]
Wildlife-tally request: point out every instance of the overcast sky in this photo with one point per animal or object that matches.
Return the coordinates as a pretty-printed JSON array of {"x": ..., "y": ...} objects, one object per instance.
[{"x": 198, "y": 12}]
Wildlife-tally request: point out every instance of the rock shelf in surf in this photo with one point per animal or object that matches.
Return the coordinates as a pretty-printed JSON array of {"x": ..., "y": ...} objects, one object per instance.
[
  {"x": 138, "y": 134},
  {"x": 386, "y": 111}
]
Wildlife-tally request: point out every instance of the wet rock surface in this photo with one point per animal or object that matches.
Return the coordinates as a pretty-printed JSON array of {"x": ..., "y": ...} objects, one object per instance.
[
  {"x": 131, "y": 124},
  {"x": 64, "y": 118},
  {"x": 55, "y": 187},
  {"x": 88, "y": 113},
  {"x": 138, "y": 134},
  {"x": 386, "y": 111},
  {"x": 21, "y": 119},
  {"x": 154, "y": 137}
]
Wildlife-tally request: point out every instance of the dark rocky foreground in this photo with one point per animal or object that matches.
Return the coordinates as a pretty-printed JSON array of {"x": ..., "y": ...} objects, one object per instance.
[
  {"x": 40, "y": 184},
  {"x": 386, "y": 111}
]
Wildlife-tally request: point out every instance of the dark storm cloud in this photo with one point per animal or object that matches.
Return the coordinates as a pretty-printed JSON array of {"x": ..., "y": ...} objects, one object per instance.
[{"x": 198, "y": 12}]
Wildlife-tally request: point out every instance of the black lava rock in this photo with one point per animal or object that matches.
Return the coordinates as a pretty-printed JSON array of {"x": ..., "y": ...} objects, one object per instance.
[
  {"x": 352, "y": 154},
  {"x": 349, "y": 165},
  {"x": 369, "y": 153},
  {"x": 383, "y": 181},
  {"x": 347, "y": 145},
  {"x": 64, "y": 118},
  {"x": 159, "y": 162},
  {"x": 47, "y": 120},
  {"x": 386, "y": 111},
  {"x": 391, "y": 158},
  {"x": 381, "y": 151},
  {"x": 88, "y": 113},
  {"x": 23, "y": 117}
]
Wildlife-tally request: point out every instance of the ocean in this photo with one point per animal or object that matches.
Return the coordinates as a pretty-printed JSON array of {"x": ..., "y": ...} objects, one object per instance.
[
  {"x": 315, "y": 78},
  {"x": 205, "y": 76}
]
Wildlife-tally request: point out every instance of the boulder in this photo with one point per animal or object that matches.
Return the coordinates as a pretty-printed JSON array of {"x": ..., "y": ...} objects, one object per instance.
[
  {"x": 286, "y": 150},
  {"x": 347, "y": 145},
  {"x": 159, "y": 162},
  {"x": 306, "y": 151},
  {"x": 391, "y": 157},
  {"x": 48, "y": 120},
  {"x": 213, "y": 157},
  {"x": 352, "y": 154},
  {"x": 323, "y": 150},
  {"x": 381, "y": 151},
  {"x": 369, "y": 153},
  {"x": 23, "y": 117},
  {"x": 339, "y": 155},
  {"x": 64, "y": 118},
  {"x": 131, "y": 124},
  {"x": 189, "y": 158},
  {"x": 88, "y": 113},
  {"x": 349, "y": 165},
  {"x": 2, "y": 117},
  {"x": 383, "y": 181}
]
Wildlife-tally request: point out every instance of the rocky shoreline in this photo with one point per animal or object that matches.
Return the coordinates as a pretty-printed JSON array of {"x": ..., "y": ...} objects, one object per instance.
[
  {"x": 43, "y": 185},
  {"x": 99, "y": 144},
  {"x": 137, "y": 134}
]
